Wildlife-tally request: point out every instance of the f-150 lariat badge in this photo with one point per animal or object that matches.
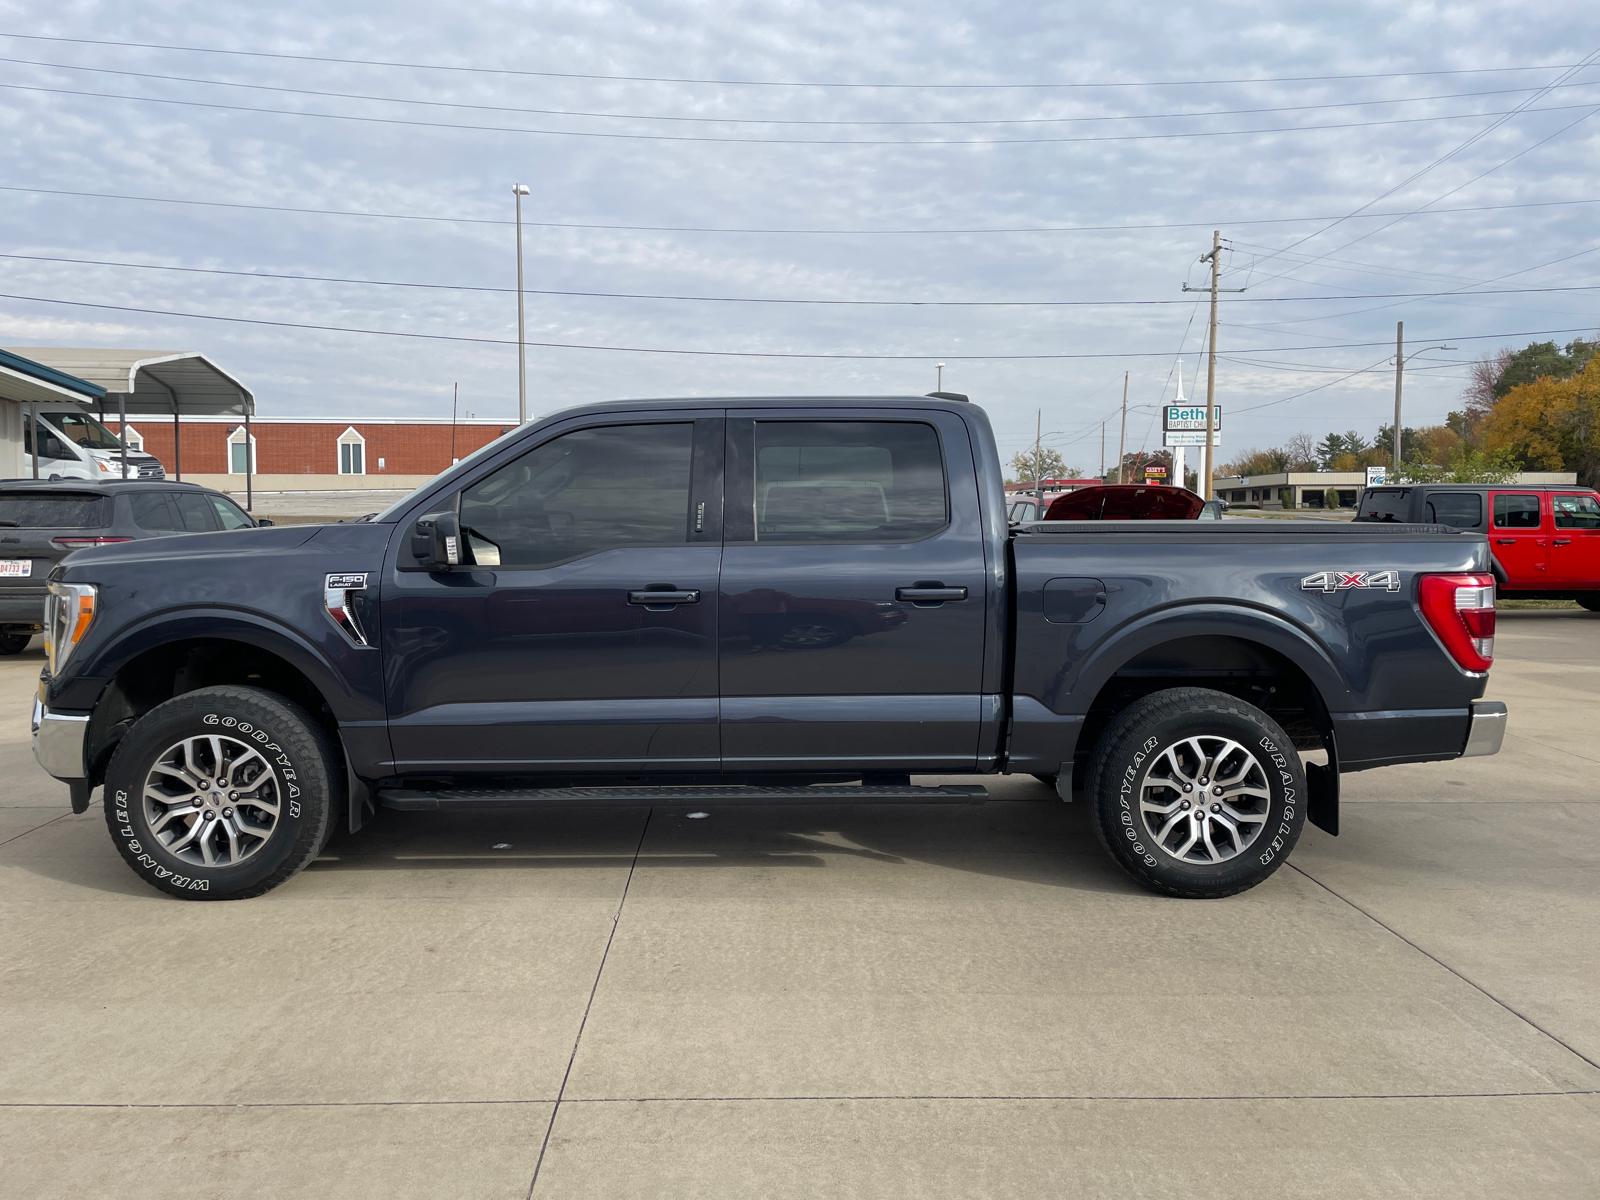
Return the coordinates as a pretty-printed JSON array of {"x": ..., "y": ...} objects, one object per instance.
[
  {"x": 336, "y": 591},
  {"x": 1341, "y": 581}
]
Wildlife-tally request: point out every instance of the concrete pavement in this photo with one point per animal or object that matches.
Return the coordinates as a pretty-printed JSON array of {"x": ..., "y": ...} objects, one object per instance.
[{"x": 851, "y": 1001}]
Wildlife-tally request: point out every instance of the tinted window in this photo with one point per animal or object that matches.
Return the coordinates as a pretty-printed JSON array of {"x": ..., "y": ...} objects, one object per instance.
[
  {"x": 1577, "y": 512},
  {"x": 152, "y": 510},
  {"x": 1393, "y": 505},
  {"x": 584, "y": 492},
  {"x": 24, "y": 511},
  {"x": 194, "y": 514},
  {"x": 1516, "y": 512},
  {"x": 230, "y": 514},
  {"x": 1461, "y": 510},
  {"x": 50, "y": 446},
  {"x": 847, "y": 481}
]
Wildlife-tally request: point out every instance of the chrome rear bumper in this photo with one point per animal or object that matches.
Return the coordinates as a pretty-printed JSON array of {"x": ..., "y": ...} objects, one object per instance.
[{"x": 1488, "y": 728}]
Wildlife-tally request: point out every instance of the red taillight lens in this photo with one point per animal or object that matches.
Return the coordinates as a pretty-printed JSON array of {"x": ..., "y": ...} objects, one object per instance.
[
  {"x": 76, "y": 543},
  {"x": 1460, "y": 609}
]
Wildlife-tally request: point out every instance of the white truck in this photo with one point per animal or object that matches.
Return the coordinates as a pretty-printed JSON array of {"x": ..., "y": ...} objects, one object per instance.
[{"x": 73, "y": 445}]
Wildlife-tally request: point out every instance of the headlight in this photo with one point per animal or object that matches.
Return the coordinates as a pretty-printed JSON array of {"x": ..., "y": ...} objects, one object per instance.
[{"x": 69, "y": 611}]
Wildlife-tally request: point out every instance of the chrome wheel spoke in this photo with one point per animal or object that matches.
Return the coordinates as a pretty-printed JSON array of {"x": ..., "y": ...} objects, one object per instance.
[{"x": 238, "y": 779}]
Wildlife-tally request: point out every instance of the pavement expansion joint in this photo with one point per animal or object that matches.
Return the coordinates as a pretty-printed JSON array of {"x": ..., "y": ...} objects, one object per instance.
[
  {"x": 1530, "y": 1022},
  {"x": 616, "y": 919}
]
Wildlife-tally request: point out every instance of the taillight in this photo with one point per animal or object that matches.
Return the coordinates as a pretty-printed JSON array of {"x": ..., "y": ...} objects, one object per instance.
[
  {"x": 1460, "y": 609},
  {"x": 77, "y": 543}
]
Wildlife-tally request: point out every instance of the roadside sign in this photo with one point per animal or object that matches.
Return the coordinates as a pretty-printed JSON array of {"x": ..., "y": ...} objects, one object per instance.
[
  {"x": 1191, "y": 437},
  {"x": 1377, "y": 476},
  {"x": 1187, "y": 417},
  {"x": 1155, "y": 473}
]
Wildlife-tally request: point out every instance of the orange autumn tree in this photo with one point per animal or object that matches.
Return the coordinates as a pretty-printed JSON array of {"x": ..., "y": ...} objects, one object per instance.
[{"x": 1552, "y": 424}]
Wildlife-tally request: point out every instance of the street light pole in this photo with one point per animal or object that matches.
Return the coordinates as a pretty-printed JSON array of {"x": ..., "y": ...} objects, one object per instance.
[
  {"x": 1400, "y": 357},
  {"x": 939, "y": 385},
  {"x": 519, "y": 191}
]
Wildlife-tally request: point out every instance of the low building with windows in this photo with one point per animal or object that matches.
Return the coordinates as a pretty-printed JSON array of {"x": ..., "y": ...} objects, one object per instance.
[
  {"x": 1310, "y": 489},
  {"x": 311, "y": 453}
]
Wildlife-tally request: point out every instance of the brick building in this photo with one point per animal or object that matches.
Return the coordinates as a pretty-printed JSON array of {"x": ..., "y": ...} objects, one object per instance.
[{"x": 316, "y": 445}]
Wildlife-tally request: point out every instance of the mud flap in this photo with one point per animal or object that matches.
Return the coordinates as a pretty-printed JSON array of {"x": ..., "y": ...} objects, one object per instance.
[
  {"x": 80, "y": 790},
  {"x": 1322, "y": 791}
]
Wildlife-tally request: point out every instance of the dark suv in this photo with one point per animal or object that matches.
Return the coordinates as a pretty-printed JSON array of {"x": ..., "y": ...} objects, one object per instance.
[{"x": 41, "y": 522}]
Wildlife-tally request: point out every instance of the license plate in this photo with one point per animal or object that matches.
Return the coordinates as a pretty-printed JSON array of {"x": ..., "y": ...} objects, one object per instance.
[{"x": 16, "y": 566}]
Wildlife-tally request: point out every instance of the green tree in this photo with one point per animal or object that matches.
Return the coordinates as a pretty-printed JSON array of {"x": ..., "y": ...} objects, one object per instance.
[
  {"x": 1551, "y": 424},
  {"x": 1542, "y": 359},
  {"x": 1047, "y": 464},
  {"x": 1465, "y": 464}
]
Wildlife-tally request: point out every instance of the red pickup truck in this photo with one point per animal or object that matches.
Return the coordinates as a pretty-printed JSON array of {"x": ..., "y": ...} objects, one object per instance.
[{"x": 1545, "y": 538}]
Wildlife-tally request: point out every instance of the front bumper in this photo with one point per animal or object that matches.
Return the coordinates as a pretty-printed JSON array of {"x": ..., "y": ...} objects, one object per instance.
[
  {"x": 58, "y": 741},
  {"x": 1487, "y": 730}
]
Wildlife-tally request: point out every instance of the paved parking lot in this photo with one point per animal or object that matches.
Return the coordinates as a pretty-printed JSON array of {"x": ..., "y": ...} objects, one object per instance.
[{"x": 841, "y": 1002}]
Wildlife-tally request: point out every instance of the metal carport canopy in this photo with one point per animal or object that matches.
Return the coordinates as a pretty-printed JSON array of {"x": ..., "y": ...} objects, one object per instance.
[{"x": 184, "y": 382}]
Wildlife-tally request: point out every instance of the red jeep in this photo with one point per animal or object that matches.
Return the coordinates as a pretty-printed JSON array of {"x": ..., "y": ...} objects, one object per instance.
[{"x": 1545, "y": 537}]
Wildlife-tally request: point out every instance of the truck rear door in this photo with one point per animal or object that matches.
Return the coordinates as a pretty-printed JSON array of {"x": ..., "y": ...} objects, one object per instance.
[
  {"x": 1518, "y": 538},
  {"x": 851, "y": 630},
  {"x": 1575, "y": 539}
]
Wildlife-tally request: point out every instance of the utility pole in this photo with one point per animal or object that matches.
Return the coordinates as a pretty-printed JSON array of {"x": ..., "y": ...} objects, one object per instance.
[
  {"x": 455, "y": 399},
  {"x": 938, "y": 385},
  {"x": 1122, "y": 438},
  {"x": 519, "y": 191},
  {"x": 1038, "y": 436},
  {"x": 1215, "y": 259},
  {"x": 1399, "y": 370},
  {"x": 1102, "y": 451}
]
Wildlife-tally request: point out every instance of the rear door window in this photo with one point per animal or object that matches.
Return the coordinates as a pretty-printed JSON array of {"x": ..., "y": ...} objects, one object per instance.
[
  {"x": 1516, "y": 511},
  {"x": 24, "y": 510},
  {"x": 1387, "y": 505},
  {"x": 1459, "y": 510},
  {"x": 196, "y": 515},
  {"x": 154, "y": 511}
]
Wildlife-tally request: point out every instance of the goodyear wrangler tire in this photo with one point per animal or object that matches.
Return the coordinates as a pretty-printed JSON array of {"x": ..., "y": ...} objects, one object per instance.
[
  {"x": 1197, "y": 793},
  {"x": 222, "y": 793}
]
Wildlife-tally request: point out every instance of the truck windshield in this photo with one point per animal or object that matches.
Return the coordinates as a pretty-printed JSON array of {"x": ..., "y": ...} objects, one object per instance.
[{"x": 84, "y": 430}]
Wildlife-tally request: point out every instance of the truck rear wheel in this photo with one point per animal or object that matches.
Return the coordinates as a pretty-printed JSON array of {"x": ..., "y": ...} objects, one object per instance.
[
  {"x": 1196, "y": 793},
  {"x": 222, "y": 793},
  {"x": 1591, "y": 602}
]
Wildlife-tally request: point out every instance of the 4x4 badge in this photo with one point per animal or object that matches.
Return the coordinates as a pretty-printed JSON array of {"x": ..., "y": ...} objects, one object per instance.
[{"x": 1339, "y": 581}]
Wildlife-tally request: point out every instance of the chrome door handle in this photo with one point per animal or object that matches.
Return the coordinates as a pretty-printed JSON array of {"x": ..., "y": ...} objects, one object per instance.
[
  {"x": 930, "y": 593},
  {"x": 663, "y": 598}
]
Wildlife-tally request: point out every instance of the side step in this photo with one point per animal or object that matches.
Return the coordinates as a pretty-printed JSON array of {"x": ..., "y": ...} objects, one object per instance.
[{"x": 496, "y": 799}]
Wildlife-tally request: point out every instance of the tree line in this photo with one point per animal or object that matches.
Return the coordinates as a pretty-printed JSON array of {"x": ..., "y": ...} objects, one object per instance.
[{"x": 1534, "y": 409}]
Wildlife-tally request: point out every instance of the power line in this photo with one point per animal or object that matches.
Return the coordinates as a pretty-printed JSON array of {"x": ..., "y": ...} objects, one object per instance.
[
  {"x": 412, "y": 123},
  {"x": 335, "y": 212},
  {"x": 628, "y": 116},
  {"x": 442, "y": 337},
  {"x": 462, "y": 287},
  {"x": 366, "y": 62}
]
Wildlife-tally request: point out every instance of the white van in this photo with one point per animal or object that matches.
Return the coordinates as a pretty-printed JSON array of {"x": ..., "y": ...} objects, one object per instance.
[{"x": 73, "y": 445}]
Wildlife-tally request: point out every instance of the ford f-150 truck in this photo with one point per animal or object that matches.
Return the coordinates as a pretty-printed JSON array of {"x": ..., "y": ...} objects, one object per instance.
[{"x": 753, "y": 601}]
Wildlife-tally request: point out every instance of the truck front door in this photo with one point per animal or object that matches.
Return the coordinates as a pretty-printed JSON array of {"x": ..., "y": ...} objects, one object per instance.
[
  {"x": 1519, "y": 540},
  {"x": 547, "y": 654},
  {"x": 1575, "y": 539},
  {"x": 852, "y": 599}
]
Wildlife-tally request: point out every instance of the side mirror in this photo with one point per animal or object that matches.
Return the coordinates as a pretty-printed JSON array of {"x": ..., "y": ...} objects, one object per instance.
[
  {"x": 262, "y": 522},
  {"x": 436, "y": 541}
]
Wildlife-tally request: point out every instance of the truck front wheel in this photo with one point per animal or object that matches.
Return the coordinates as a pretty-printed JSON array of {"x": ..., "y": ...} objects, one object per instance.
[
  {"x": 222, "y": 793},
  {"x": 1197, "y": 793}
]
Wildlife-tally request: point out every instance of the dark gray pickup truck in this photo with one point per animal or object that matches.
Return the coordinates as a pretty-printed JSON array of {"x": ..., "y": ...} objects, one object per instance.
[{"x": 771, "y": 601}]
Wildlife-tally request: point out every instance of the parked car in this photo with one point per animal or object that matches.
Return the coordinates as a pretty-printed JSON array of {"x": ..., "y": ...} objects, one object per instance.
[
  {"x": 1545, "y": 538},
  {"x": 1134, "y": 502},
  {"x": 43, "y": 522},
  {"x": 73, "y": 445},
  {"x": 523, "y": 631}
]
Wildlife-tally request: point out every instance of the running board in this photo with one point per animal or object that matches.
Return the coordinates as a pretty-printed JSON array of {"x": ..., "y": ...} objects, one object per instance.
[{"x": 497, "y": 799}]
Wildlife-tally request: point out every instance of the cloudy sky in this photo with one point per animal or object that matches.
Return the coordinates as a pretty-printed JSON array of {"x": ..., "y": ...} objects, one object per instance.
[{"x": 831, "y": 197}]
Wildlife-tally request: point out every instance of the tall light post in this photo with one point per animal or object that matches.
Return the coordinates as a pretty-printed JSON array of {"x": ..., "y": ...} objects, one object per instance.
[
  {"x": 939, "y": 378},
  {"x": 1400, "y": 357},
  {"x": 519, "y": 191}
]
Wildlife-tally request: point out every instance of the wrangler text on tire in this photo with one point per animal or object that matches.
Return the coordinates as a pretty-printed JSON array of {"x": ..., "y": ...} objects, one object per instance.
[
  {"x": 222, "y": 793},
  {"x": 1197, "y": 793}
]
